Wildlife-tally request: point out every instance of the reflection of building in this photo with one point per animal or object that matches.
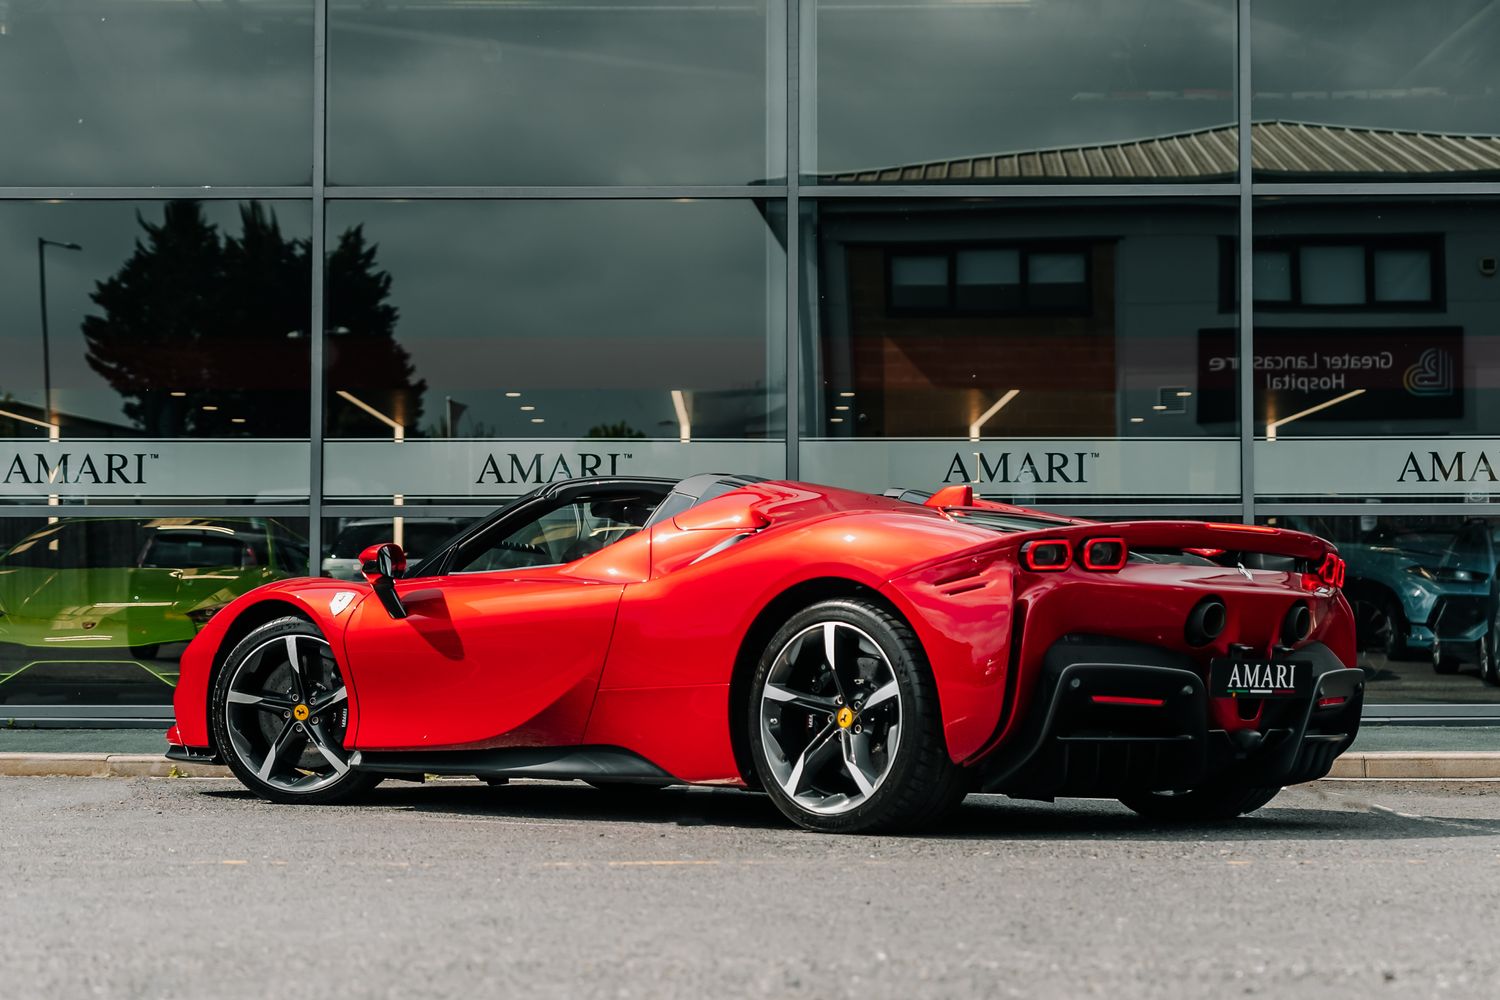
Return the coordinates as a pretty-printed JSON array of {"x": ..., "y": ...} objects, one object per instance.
[
  {"x": 1283, "y": 150},
  {"x": 1119, "y": 317}
]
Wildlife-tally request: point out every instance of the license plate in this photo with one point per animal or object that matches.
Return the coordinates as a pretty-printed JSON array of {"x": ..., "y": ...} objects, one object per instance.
[{"x": 1260, "y": 678}]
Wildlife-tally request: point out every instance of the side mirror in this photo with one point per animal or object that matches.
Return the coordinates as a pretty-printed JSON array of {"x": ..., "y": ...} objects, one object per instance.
[{"x": 381, "y": 565}]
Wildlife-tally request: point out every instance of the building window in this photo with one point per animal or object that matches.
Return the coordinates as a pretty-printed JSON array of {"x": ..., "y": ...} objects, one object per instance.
[
  {"x": 1353, "y": 273},
  {"x": 988, "y": 281}
]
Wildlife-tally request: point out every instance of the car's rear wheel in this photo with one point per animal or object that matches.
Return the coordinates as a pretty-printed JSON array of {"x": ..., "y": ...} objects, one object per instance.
[
  {"x": 280, "y": 710},
  {"x": 845, "y": 731},
  {"x": 1212, "y": 802}
]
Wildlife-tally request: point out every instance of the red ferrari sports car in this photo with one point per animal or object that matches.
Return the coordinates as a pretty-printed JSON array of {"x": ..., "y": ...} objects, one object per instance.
[{"x": 865, "y": 660}]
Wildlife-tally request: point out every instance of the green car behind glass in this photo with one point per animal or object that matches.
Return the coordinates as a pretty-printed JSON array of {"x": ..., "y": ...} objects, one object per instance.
[{"x": 135, "y": 583}]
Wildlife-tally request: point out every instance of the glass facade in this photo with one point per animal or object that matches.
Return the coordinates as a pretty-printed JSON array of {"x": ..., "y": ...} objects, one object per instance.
[{"x": 285, "y": 277}]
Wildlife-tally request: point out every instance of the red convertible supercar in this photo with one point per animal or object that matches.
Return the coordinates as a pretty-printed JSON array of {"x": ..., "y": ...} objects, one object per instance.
[{"x": 865, "y": 660}]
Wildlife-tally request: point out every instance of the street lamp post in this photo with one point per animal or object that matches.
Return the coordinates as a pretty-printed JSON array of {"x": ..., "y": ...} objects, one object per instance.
[{"x": 41, "y": 274}]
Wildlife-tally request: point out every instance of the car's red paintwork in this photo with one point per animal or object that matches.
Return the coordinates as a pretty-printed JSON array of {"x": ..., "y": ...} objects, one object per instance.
[{"x": 636, "y": 645}]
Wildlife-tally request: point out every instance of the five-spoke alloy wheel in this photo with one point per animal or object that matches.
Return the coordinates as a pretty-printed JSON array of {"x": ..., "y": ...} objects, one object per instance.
[
  {"x": 280, "y": 711},
  {"x": 844, "y": 724}
]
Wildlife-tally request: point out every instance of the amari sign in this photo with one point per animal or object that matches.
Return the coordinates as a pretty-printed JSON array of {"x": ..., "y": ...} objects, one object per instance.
[
  {"x": 1056, "y": 468},
  {"x": 53, "y": 466},
  {"x": 457, "y": 469},
  {"x": 1453, "y": 467},
  {"x": 127, "y": 468},
  {"x": 1026, "y": 470}
]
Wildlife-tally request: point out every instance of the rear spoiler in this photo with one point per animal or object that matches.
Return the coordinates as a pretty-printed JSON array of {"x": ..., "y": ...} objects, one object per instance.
[
  {"x": 1205, "y": 538},
  {"x": 1189, "y": 535},
  {"x": 1057, "y": 548}
]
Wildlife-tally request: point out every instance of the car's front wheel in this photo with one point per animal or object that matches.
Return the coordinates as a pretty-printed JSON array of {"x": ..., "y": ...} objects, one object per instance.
[
  {"x": 1489, "y": 666},
  {"x": 280, "y": 710},
  {"x": 1212, "y": 802},
  {"x": 845, "y": 730}
]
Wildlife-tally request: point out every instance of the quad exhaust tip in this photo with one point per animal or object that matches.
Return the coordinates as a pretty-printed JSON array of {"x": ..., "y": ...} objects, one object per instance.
[
  {"x": 1206, "y": 621},
  {"x": 1297, "y": 625}
]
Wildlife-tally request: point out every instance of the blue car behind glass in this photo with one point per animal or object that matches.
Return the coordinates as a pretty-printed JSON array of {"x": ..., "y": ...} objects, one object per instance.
[{"x": 1423, "y": 589}]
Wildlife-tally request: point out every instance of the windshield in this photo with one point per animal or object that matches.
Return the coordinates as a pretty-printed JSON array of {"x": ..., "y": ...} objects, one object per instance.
[{"x": 997, "y": 521}]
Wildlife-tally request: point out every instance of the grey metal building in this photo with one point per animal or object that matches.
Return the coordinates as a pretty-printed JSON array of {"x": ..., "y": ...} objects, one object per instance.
[{"x": 283, "y": 277}]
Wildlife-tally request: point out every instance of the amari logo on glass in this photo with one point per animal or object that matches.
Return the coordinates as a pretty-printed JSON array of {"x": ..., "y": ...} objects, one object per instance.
[{"x": 73, "y": 468}]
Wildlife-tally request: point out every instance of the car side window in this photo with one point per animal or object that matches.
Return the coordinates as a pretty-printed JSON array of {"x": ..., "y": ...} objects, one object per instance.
[{"x": 561, "y": 535}]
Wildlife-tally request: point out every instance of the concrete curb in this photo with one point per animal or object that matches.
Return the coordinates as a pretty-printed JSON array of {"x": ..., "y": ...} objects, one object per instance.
[
  {"x": 1418, "y": 764},
  {"x": 103, "y": 765},
  {"x": 1388, "y": 765}
]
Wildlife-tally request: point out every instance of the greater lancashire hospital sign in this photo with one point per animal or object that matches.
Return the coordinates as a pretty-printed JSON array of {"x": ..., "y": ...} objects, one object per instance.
[{"x": 1059, "y": 470}]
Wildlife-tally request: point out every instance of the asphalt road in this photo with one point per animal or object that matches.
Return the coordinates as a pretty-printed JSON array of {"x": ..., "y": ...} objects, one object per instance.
[{"x": 190, "y": 888}]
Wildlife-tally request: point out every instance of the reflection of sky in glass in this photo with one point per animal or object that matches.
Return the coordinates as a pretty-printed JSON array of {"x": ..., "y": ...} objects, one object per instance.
[
  {"x": 107, "y": 231},
  {"x": 552, "y": 93},
  {"x": 120, "y": 92},
  {"x": 1379, "y": 63},
  {"x": 909, "y": 82},
  {"x": 592, "y": 310}
]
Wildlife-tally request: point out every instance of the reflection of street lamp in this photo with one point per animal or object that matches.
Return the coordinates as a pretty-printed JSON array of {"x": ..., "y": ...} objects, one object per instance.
[
  {"x": 684, "y": 422},
  {"x": 398, "y": 429},
  {"x": 1273, "y": 425},
  {"x": 53, "y": 434},
  {"x": 984, "y": 418},
  {"x": 51, "y": 429},
  {"x": 41, "y": 275},
  {"x": 398, "y": 435}
]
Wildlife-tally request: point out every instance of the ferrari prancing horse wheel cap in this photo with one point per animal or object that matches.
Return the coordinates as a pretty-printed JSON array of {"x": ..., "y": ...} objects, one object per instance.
[
  {"x": 300, "y": 713},
  {"x": 846, "y": 717}
]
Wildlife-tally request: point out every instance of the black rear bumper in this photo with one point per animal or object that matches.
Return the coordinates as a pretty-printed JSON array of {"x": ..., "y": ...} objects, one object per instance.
[{"x": 1151, "y": 731}]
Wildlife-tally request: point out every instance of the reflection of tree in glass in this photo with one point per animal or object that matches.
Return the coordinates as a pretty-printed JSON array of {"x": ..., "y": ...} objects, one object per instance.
[
  {"x": 362, "y": 356},
  {"x": 618, "y": 429},
  {"x": 223, "y": 322}
]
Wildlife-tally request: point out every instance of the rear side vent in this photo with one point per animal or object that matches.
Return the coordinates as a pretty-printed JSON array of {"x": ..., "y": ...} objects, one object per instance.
[
  {"x": 964, "y": 588},
  {"x": 961, "y": 582}
]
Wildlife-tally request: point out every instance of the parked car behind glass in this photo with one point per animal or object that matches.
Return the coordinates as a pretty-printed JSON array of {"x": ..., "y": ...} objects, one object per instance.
[{"x": 91, "y": 583}]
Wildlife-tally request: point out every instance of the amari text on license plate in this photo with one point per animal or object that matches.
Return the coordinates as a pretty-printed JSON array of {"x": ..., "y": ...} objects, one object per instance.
[{"x": 1260, "y": 678}]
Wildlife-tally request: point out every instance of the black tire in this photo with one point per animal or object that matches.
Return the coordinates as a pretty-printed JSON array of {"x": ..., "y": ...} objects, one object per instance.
[
  {"x": 1201, "y": 805},
  {"x": 919, "y": 784},
  {"x": 1489, "y": 669},
  {"x": 1442, "y": 663},
  {"x": 239, "y": 731},
  {"x": 1380, "y": 624}
]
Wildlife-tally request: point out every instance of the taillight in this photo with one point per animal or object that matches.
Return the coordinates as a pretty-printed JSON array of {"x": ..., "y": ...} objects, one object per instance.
[
  {"x": 1332, "y": 570},
  {"x": 1104, "y": 554},
  {"x": 1047, "y": 555},
  {"x": 1329, "y": 573}
]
